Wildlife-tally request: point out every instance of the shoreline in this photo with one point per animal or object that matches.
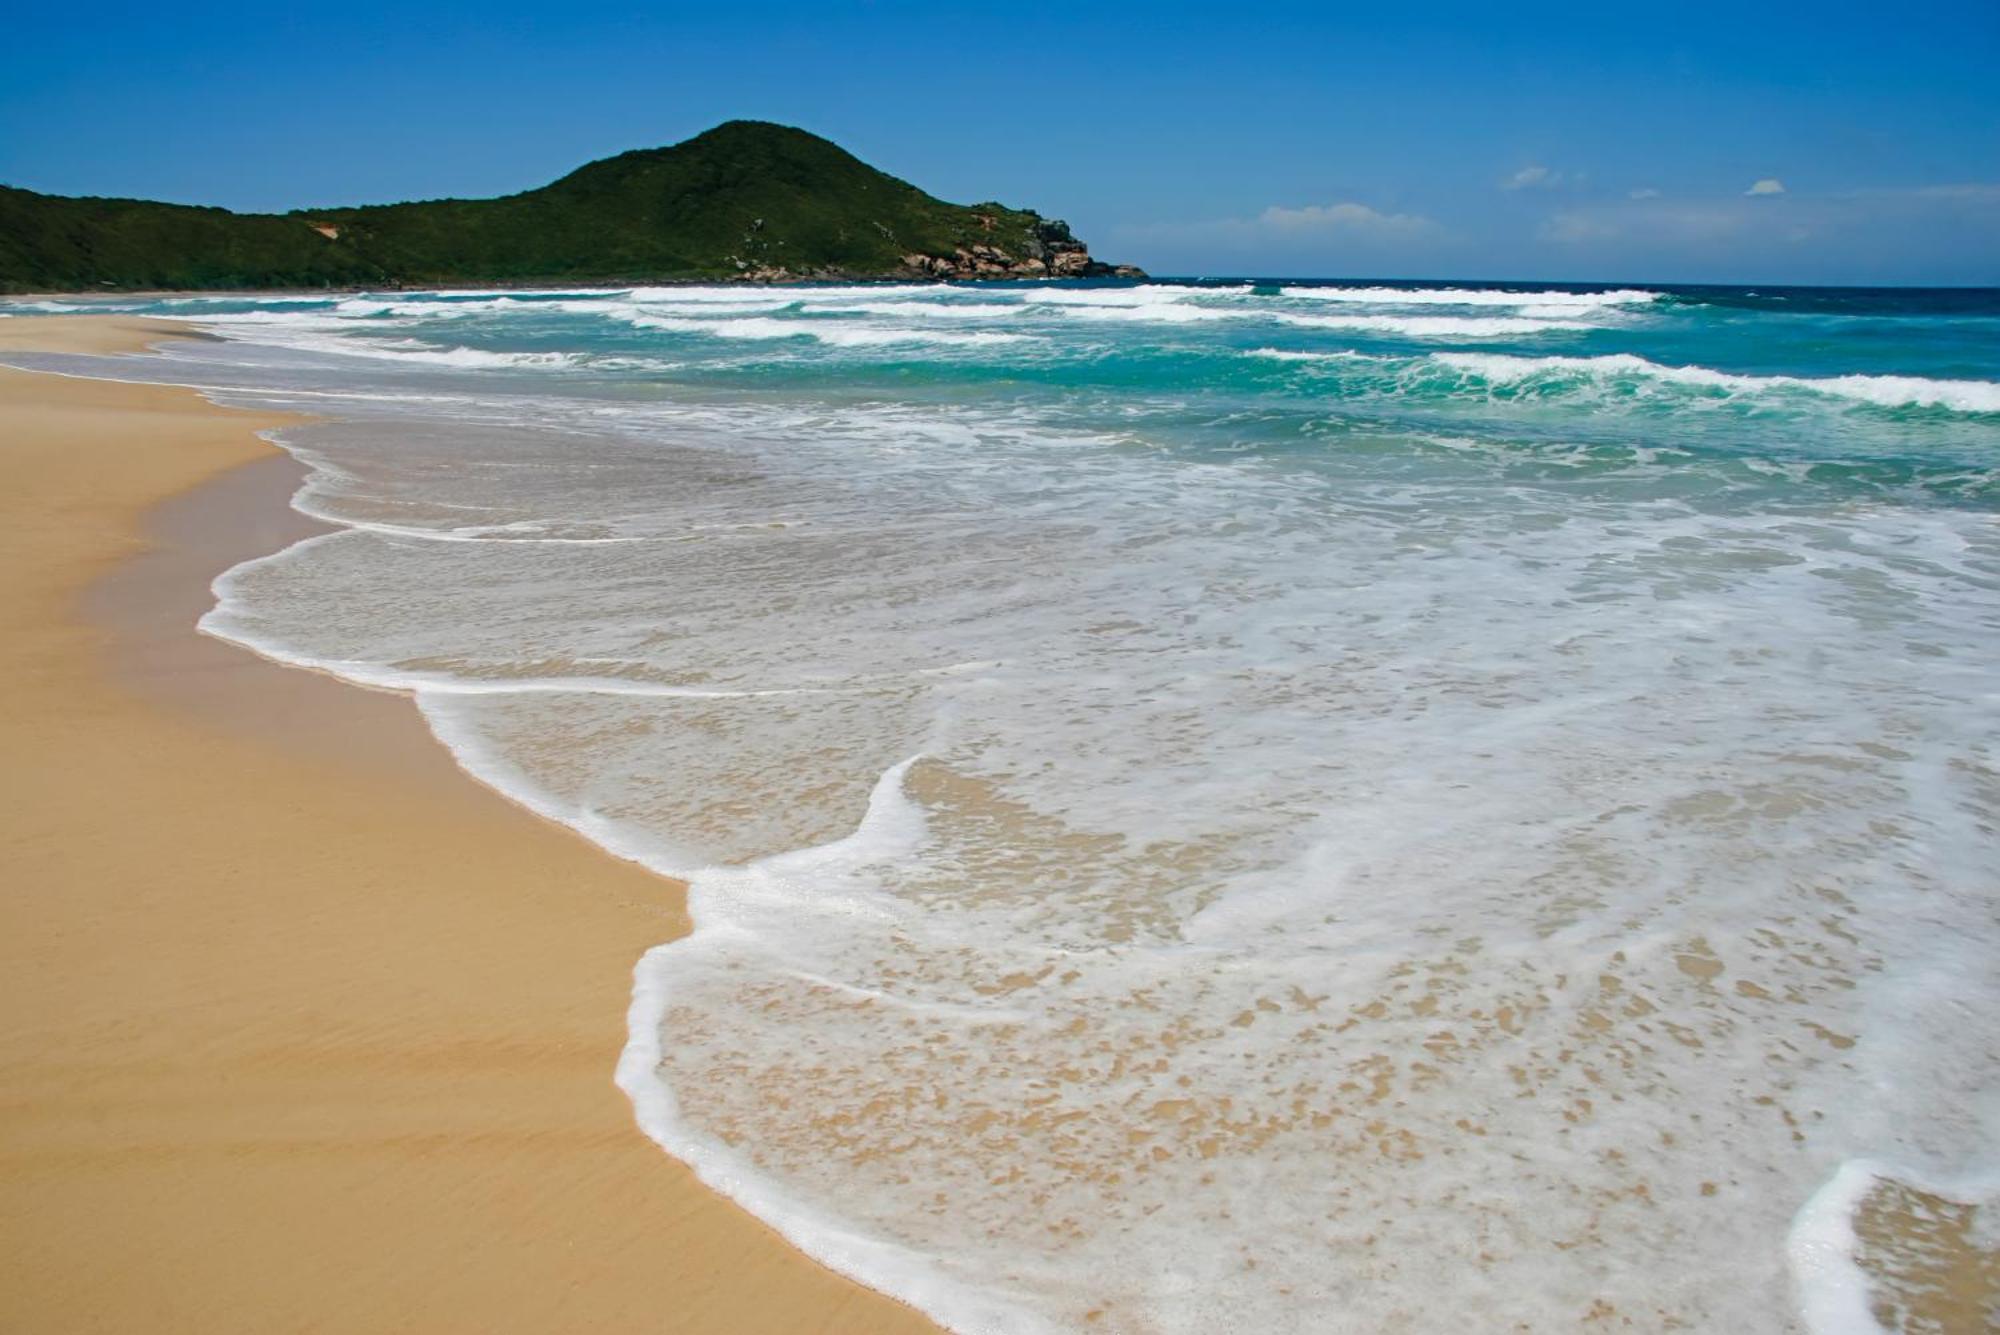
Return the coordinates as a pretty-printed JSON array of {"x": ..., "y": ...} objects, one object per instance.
[
  {"x": 309, "y": 1029},
  {"x": 557, "y": 285}
]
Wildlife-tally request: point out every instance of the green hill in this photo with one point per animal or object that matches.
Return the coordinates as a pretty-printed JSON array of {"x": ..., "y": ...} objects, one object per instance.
[{"x": 745, "y": 200}]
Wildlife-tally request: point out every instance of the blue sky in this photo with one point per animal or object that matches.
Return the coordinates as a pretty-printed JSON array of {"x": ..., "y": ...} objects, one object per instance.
[{"x": 1597, "y": 141}]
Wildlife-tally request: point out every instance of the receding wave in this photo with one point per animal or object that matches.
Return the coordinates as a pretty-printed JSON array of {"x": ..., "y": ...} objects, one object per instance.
[
  {"x": 323, "y": 334},
  {"x": 831, "y": 332},
  {"x": 409, "y": 350}
]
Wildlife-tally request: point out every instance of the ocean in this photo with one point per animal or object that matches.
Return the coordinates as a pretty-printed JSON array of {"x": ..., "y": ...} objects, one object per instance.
[{"x": 1225, "y": 805}]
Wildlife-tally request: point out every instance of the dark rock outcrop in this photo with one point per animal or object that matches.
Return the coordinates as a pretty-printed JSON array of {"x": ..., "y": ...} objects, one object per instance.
[{"x": 1049, "y": 250}]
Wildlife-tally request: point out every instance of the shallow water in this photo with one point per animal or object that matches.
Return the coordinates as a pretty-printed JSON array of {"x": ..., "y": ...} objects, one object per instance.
[{"x": 1269, "y": 806}]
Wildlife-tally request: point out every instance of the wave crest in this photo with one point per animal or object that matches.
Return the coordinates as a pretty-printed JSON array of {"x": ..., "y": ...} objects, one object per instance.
[{"x": 1885, "y": 391}]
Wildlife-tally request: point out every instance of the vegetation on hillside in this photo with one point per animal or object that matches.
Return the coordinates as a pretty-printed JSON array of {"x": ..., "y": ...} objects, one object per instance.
[{"x": 746, "y": 199}]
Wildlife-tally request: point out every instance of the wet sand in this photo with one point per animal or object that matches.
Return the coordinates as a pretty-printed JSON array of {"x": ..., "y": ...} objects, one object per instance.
[{"x": 300, "y": 1028}]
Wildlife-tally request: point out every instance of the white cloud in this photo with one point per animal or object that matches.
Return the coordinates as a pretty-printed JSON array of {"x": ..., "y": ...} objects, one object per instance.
[
  {"x": 1643, "y": 192},
  {"x": 1770, "y": 185},
  {"x": 1347, "y": 217},
  {"x": 1534, "y": 177}
]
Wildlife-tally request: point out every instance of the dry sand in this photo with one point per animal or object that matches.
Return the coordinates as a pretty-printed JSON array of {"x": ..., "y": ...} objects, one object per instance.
[{"x": 300, "y": 1028}]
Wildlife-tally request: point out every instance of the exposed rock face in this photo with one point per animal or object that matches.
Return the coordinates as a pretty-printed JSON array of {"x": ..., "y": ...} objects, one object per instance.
[{"x": 1050, "y": 251}]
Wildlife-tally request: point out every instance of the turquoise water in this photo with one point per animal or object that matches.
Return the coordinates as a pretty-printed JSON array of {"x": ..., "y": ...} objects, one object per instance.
[
  {"x": 1277, "y": 805},
  {"x": 1877, "y": 385}
]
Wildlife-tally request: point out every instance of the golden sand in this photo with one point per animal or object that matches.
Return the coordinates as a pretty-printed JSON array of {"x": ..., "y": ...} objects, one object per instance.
[{"x": 300, "y": 1029}]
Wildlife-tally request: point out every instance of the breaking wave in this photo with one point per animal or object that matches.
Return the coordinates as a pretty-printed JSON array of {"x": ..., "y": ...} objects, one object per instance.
[{"x": 1625, "y": 369}]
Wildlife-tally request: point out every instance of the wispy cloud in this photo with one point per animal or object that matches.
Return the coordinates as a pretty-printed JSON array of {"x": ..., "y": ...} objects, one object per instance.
[
  {"x": 1766, "y": 213},
  {"x": 1647, "y": 220},
  {"x": 1346, "y": 221},
  {"x": 1643, "y": 192},
  {"x": 1347, "y": 217},
  {"x": 1533, "y": 177},
  {"x": 1973, "y": 193},
  {"x": 1572, "y": 226}
]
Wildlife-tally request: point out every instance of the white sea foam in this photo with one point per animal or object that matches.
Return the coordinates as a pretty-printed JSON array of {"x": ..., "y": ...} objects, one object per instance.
[
  {"x": 513, "y": 533},
  {"x": 831, "y": 332},
  {"x": 1837, "y": 1294},
  {"x": 1163, "y": 313},
  {"x": 102, "y": 306},
  {"x": 77, "y": 308},
  {"x": 891, "y": 827},
  {"x": 323, "y": 317},
  {"x": 1435, "y": 326},
  {"x": 354, "y": 334},
  {"x": 1301, "y": 355},
  {"x": 868, "y": 338},
  {"x": 1399, "y": 296},
  {"x": 513, "y": 293},
  {"x": 414, "y": 351},
  {"x": 381, "y": 308},
  {"x": 1146, "y": 296},
  {"x": 937, "y": 310},
  {"x": 759, "y": 294},
  {"x": 1179, "y": 305},
  {"x": 1134, "y": 305},
  {"x": 1834, "y": 1291},
  {"x": 1889, "y": 391},
  {"x": 746, "y": 295}
]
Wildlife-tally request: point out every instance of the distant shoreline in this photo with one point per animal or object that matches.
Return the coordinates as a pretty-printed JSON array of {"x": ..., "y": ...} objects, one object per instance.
[
  {"x": 550, "y": 285},
  {"x": 1219, "y": 279}
]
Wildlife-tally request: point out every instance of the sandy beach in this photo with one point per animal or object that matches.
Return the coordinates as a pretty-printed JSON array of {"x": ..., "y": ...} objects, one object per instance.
[{"x": 304, "y": 1030}]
